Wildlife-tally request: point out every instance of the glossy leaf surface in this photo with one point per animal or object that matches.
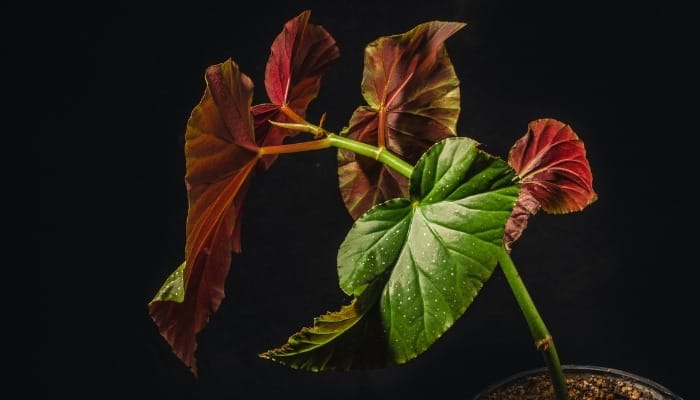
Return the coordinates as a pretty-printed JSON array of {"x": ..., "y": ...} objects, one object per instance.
[
  {"x": 412, "y": 94},
  {"x": 299, "y": 57},
  {"x": 416, "y": 263},
  {"x": 556, "y": 176}
]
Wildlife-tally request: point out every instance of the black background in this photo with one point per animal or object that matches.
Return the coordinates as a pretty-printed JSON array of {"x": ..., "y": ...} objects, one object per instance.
[{"x": 120, "y": 84}]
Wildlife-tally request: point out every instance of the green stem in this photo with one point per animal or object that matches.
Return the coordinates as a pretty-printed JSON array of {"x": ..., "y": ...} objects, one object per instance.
[
  {"x": 378, "y": 153},
  {"x": 543, "y": 340},
  {"x": 295, "y": 147}
]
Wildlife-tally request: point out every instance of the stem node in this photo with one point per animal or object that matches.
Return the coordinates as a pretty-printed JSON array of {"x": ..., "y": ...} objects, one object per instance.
[{"x": 543, "y": 344}]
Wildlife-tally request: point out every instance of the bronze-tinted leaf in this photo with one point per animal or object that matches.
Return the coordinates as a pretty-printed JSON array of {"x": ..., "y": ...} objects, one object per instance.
[
  {"x": 412, "y": 92},
  {"x": 299, "y": 57},
  {"x": 349, "y": 339},
  {"x": 220, "y": 154},
  {"x": 550, "y": 159}
]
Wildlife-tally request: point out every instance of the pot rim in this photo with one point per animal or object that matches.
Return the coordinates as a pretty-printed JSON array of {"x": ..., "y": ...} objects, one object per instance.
[{"x": 668, "y": 394}]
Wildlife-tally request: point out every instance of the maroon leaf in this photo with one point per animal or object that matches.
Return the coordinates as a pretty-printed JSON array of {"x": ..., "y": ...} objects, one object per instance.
[
  {"x": 412, "y": 93},
  {"x": 299, "y": 56},
  {"x": 221, "y": 155},
  {"x": 551, "y": 162}
]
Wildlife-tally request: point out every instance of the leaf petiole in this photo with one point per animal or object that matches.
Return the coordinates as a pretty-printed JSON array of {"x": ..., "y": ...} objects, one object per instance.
[
  {"x": 380, "y": 154},
  {"x": 540, "y": 333}
]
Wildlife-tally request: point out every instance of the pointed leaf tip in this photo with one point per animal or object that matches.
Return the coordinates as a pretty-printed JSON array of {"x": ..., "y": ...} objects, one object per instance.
[
  {"x": 174, "y": 287},
  {"x": 348, "y": 339}
]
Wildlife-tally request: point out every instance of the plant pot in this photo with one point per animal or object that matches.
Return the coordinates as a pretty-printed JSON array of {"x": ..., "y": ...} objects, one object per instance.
[{"x": 584, "y": 382}]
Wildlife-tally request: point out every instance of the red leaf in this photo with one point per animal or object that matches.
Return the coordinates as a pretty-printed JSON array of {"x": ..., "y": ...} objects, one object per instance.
[
  {"x": 551, "y": 161},
  {"x": 222, "y": 139},
  {"x": 412, "y": 93},
  {"x": 299, "y": 56},
  {"x": 220, "y": 154}
]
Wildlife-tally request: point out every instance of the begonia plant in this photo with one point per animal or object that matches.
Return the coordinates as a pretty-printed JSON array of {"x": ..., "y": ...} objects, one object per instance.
[{"x": 434, "y": 214}]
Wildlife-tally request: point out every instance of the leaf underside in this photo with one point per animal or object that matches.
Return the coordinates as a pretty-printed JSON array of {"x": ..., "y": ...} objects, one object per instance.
[
  {"x": 219, "y": 144},
  {"x": 413, "y": 265},
  {"x": 550, "y": 159},
  {"x": 299, "y": 57},
  {"x": 222, "y": 139}
]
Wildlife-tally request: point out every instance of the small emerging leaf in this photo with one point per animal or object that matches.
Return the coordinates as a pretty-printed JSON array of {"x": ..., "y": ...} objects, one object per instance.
[
  {"x": 412, "y": 92},
  {"x": 421, "y": 261},
  {"x": 556, "y": 176}
]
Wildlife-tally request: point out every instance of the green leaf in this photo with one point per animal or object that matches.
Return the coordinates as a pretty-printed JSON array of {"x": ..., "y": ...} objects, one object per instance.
[
  {"x": 174, "y": 287},
  {"x": 422, "y": 261}
]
